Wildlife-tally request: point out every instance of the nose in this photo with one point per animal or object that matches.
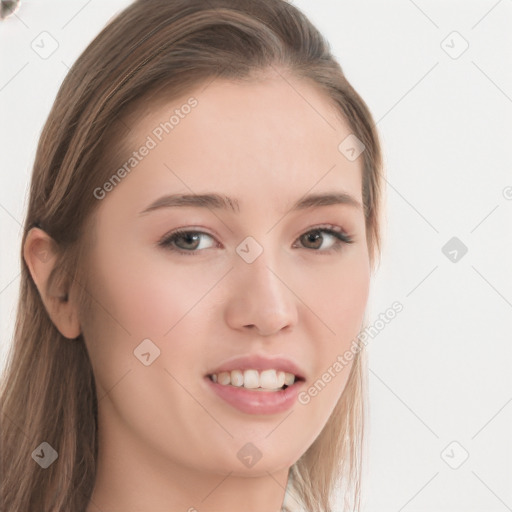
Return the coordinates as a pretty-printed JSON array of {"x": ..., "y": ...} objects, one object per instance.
[{"x": 260, "y": 299}]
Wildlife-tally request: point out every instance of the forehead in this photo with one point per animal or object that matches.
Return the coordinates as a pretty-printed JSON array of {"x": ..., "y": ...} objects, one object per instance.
[{"x": 271, "y": 139}]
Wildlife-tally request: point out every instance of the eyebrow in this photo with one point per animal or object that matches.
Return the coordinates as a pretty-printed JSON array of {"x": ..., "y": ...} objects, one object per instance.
[{"x": 222, "y": 202}]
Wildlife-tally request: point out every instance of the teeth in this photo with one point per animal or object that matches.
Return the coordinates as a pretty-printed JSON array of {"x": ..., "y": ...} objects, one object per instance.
[
  {"x": 268, "y": 380},
  {"x": 250, "y": 378},
  {"x": 253, "y": 379},
  {"x": 289, "y": 379}
]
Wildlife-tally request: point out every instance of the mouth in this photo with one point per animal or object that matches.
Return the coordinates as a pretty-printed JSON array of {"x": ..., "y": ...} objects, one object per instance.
[
  {"x": 271, "y": 396},
  {"x": 257, "y": 383},
  {"x": 270, "y": 380}
]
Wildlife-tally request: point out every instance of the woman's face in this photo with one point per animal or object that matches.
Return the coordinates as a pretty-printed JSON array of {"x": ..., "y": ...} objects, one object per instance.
[{"x": 251, "y": 278}]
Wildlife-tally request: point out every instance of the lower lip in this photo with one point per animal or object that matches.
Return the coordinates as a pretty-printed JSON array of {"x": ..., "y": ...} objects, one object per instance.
[{"x": 257, "y": 402}]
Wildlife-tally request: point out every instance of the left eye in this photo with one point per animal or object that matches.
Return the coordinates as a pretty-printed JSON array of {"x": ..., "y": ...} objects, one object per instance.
[
  {"x": 313, "y": 239},
  {"x": 337, "y": 237}
]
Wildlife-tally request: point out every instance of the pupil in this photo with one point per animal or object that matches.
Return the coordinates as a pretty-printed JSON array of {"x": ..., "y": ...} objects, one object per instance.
[
  {"x": 314, "y": 237},
  {"x": 189, "y": 238}
]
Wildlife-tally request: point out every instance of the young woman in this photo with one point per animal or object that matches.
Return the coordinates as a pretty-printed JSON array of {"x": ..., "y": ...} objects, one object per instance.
[{"x": 202, "y": 228}]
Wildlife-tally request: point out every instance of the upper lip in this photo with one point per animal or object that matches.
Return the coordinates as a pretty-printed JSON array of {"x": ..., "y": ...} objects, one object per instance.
[{"x": 260, "y": 362}]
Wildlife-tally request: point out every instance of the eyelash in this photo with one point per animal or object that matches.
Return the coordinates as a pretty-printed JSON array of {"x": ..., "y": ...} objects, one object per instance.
[{"x": 342, "y": 239}]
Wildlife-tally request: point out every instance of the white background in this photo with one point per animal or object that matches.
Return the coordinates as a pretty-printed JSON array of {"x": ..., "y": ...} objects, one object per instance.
[{"x": 440, "y": 371}]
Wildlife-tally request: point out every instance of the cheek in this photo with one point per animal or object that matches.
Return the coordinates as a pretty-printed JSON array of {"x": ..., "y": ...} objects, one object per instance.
[
  {"x": 148, "y": 296},
  {"x": 340, "y": 301},
  {"x": 342, "y": 296},
  {"x": 136, "y": 299},
  {"x": 351, "y": 300}
]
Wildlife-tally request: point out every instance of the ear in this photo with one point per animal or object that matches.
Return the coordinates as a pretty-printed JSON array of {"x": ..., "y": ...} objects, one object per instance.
[{"x": 40, "y": 256}]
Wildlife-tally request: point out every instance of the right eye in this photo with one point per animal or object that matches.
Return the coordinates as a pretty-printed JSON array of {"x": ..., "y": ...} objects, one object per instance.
[{"x": 185, "y": 241}]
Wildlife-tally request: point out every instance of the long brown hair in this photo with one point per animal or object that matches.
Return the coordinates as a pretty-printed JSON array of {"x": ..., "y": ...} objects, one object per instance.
[{"x": 153, "y": 49}]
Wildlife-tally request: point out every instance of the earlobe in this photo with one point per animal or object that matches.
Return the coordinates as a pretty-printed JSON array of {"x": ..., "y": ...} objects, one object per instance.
[{"x": 40, "y": 255}]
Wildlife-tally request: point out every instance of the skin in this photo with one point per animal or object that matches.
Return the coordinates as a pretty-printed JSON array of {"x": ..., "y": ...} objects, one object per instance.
[{"x": 166, "y": 441}]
